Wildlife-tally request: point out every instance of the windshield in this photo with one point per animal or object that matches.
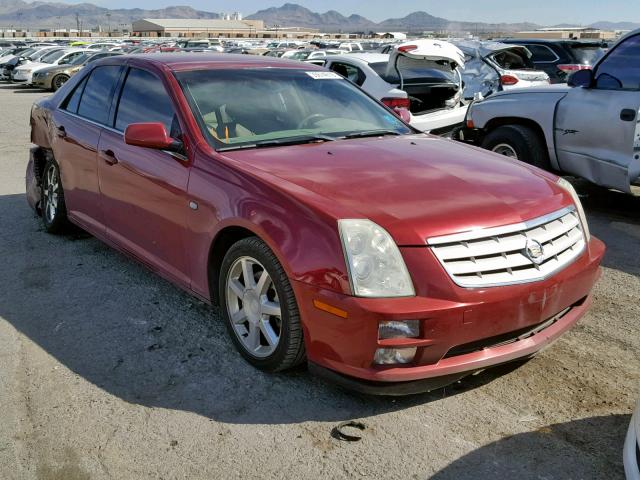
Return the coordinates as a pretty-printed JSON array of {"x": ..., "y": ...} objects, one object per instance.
[
  {"x": 300, "y": 55},
  {"x": 250, "y": 108},
  {"x": 416, "y": 71},
  {"x": 52, "y": 57},
  {"x": 80, "y": 59}
]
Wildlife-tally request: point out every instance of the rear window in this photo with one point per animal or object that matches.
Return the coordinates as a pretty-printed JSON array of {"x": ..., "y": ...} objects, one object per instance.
[
  {"x": 513, "y": 60},
  {"x": 96, "y": 98},
  {"x": 586, "y": 54},
  {"x": 415, "y": 71}
]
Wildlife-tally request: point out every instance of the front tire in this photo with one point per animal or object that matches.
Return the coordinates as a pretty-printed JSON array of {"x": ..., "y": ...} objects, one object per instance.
[
  {"x": 259, "y": 307},
  {"x": 58, "y": 81},
  {"x": 519, "y": 142},
  {"x": 54, "y": 210}
]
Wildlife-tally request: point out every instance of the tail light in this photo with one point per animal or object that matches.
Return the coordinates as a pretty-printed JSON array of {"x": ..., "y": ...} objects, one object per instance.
[
  {"x": 407, "y": 48},
  {"x": 573, "y": 67},
  {"x": 395, "y": 103},
  {"x": 508, "y": 80}
]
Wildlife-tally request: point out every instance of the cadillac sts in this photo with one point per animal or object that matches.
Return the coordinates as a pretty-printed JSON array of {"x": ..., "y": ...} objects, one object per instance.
[{"x": 325, "y": 228}]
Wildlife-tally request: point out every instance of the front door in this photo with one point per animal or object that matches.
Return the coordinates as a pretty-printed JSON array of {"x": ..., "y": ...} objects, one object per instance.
[
  {"x": 144, "y": 190},
  {"x": 597, "y": 130}
]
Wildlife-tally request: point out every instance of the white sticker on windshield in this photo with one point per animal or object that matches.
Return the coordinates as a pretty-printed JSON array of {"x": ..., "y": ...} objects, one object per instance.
[{"x": 324, "y": 75}]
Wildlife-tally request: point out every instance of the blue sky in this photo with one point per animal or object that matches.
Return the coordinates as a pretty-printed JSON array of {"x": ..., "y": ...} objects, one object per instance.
[{"x": 538, "y": 11}]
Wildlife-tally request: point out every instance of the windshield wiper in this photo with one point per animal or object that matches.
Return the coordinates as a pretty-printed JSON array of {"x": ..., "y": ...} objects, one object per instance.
[
  {"x": 371, "y": 133},
  {"x": 280, "y": 142}
]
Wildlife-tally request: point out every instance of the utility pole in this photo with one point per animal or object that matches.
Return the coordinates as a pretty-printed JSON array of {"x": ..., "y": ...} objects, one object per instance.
[
  {"x": 109, "y": 23},
  {"x": 78, "y": 23}
]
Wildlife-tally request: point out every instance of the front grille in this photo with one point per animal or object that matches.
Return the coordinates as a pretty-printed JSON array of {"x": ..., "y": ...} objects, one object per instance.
[{"x": 506, "y": 255}]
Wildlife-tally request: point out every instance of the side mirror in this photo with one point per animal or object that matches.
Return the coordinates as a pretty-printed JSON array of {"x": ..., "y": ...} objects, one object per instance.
[
  {"x": 151, "y": 135},
  {"x": 581, "y": 78}
]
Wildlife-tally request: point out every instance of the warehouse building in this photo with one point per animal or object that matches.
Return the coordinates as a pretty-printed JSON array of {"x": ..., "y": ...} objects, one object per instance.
[
  {"x": 567, "y": 33},
  {"x": 213, "y": 28}
]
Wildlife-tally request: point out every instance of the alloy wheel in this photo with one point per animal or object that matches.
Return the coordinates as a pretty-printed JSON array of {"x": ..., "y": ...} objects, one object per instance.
[
  {"x": 51, "y": 190},
  {"x": 253, "y": 306}
]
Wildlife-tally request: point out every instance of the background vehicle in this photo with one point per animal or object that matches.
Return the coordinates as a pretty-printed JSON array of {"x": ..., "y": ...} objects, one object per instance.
[
  {"x": 240, "y": 180},
  {"x": 423, "y": 77},
  {"x": 589, "y": 128},
  {"x": 560, "y": 58},
  {"x": 631, "y": 453},
  {"x": 53, "y": 77},
  {"x": 25, "y": 57},
  {"x": 491, "y": 67},
  {"x": 24, "y": 73},
  {"x": 304, "y": 54}
]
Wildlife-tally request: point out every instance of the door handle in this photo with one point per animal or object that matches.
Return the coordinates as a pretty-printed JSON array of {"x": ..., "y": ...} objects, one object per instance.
[
  {"x": 61, "y": 132},
  {"x": 628, "y": 115},
  {"x": 109, "y": 157}
]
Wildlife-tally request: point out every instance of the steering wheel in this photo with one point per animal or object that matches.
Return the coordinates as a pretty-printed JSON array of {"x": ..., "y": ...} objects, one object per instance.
[{"x": 310, "y": 120}]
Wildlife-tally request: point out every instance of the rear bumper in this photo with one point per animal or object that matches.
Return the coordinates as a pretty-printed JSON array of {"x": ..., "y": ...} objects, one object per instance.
[
  {"x": 440, "y": 119},
  {"x": 467, "y": 331}
]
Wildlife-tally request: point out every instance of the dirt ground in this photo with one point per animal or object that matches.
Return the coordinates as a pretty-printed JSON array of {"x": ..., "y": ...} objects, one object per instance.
[{"x": 107, "y": 371}]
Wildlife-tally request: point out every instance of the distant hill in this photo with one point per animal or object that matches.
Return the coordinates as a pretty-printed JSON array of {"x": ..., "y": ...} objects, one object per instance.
[
  {"x": 290, "y": 15},
  {"x": 40, "y": 14},
  {"x": 63, "y": 15}
]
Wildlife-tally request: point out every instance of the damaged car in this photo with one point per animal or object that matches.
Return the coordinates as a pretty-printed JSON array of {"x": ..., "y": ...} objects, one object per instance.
[
  {"x": 423, "y": 77},
  {"x": 327, "y": 230},
  {"x": 588, "y": 128},
  {"x": 494, "y": 67}
]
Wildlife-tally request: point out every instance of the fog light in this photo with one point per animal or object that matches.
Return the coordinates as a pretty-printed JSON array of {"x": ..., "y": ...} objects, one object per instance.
[
  {"x": 399, "y": 329},
  {"x": 392, "y": 356}
]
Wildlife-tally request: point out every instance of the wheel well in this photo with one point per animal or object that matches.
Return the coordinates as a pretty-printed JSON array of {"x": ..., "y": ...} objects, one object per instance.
[
  {"x": 219, "y": 248},
  {"x": 500, "y": 122},
  {"x": 40, "y": 158}
]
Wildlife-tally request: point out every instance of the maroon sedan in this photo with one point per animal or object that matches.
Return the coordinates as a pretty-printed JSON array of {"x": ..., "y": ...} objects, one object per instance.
[{"x": 325, "y": 228}]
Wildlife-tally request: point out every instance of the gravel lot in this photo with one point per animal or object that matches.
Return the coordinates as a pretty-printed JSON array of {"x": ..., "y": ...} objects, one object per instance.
[{"x": 107, "y": 371}]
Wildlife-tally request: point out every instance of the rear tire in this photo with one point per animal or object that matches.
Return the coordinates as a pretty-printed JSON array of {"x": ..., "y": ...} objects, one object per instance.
[
  {"x": 54, "y": 209},
  {"x": 261, "y": 315},
  {"x": 519, "y": 142}
]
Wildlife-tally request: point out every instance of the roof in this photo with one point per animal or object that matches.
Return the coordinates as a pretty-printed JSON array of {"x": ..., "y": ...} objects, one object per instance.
[
  {"x": 482, "y": 49},
  {"x": 195, "y": 23},
  {"x": 192, "y": 61},
  {"x": 365, "y": 57}
]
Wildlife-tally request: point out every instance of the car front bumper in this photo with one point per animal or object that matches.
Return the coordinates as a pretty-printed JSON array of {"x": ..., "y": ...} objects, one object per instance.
[
  {"x": 41, "y": 81},
  {"x": 462, "y": 330},
  {"x": 631, "y": 452}
]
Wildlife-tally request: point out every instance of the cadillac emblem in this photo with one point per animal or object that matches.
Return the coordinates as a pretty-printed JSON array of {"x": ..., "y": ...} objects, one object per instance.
[{"x": 534, "y": 251}]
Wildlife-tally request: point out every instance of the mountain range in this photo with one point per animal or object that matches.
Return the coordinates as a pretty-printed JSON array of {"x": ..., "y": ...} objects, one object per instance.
[{"x": 40, "y": 14}]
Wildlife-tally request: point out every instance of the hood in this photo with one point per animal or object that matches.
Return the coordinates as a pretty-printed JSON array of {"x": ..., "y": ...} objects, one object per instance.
[
  {"x": 32, "y": 66},
  {"x": 414, "y": 186},
  {"x": 553, "y": 88},
  {"x": 476, "y": 48}
]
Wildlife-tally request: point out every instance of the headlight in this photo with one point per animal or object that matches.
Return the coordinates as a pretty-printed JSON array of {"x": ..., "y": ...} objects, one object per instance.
[
  {"x": 562, "y": 183},
  {"x": 376, "y": 267}
]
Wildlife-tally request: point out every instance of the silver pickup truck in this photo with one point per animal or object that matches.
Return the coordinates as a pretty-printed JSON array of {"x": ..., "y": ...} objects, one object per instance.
[{"x": 588, "y": 128}]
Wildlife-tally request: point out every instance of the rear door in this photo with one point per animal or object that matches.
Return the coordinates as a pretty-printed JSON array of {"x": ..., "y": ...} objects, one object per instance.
[
  {"x": 77, "y": 125},
  {"x": 144, "y": 190},
  {"x": 597, "y": 134}
]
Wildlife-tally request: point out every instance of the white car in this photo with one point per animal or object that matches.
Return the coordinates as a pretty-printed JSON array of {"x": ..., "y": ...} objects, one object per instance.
[
  {"x": 103, "y": 46},
  {"x": 493, "y": 67},
  {"x": 423, "y": 77},
  {"x": 351, "y": 47},
  {"x": 24, "y": 73},
  {"x": 631, "y": 452},
  {"x": 9, "y": 63}
]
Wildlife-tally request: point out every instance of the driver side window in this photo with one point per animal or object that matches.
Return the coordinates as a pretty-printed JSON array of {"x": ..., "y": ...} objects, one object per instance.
[{"x": 621, "y": 70}]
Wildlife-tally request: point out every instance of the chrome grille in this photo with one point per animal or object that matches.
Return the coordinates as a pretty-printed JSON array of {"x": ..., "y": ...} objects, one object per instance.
[{"x": 510, "y": 254}]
